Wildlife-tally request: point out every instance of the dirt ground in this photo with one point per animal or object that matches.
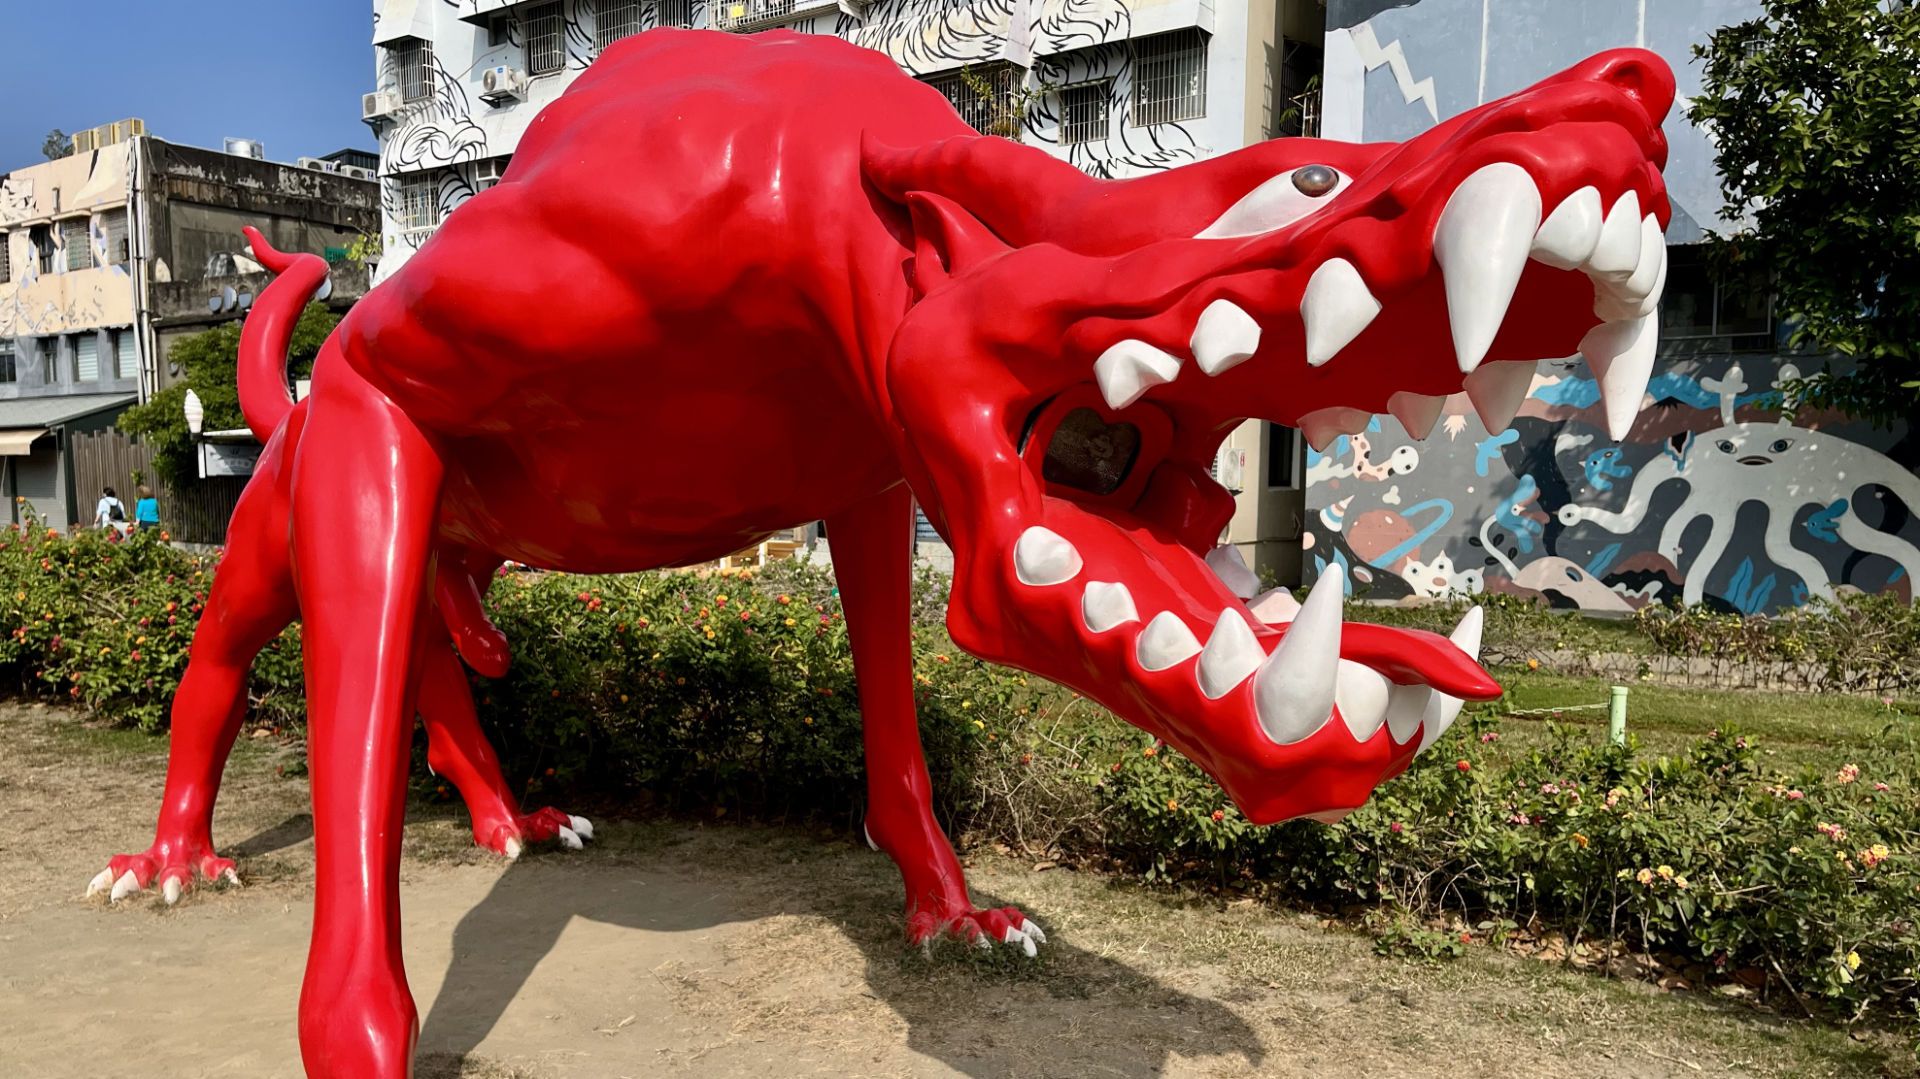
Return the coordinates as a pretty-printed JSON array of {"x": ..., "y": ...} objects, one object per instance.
[{"x": 674, "y": 949}]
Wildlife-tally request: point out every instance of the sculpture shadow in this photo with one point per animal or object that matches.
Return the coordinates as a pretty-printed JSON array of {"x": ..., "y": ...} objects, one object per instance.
[
  {"x": 293, "y": 831},
  {"x": 980, "y": 1015}
]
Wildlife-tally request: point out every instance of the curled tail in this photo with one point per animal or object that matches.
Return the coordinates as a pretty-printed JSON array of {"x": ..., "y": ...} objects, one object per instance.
[{"x": 264, "y": 399}]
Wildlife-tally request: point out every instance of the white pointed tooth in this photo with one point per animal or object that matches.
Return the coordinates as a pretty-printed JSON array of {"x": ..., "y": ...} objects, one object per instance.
[
  {"x": 1407, "y": 707},
  {"x": 1106, "y": 604},
  {"x": 1231, "y": 567},
  {"x": 1466, "y": 632},
  {"x": 1232, "y": 653},
  {"x": 1482, "y": 241},
  {"x": 1615, "y": 307},
  {"x": 1617, "y": 254},
  {"x": 1441, "y": 710},
  {"x": 1621, "y": 356},
  {"x": 101, "y": 881},
  {"x": 1224, "y": 336},
  {"x": 1497, "y": 390},
  {"x": 1653, "y": 258},
  {"x": 1275, "y": 607},
  {"x": 1361, "y": 693},
  {"x": 124, "y": 887},
  {"x": 1293, "y": 691},
  {"x": 582, "y": 827},
  {"x": 1165, "y": 642},
  {"x": 1130, "y": 369},
  {"x": 170, "y": 891},
  {"x": 1417, "y": 412},
  {"x": 1321, "y": 426},
  {"x": 1336, "y": 307},
  {"x": 1042, "y": 557},
  {"x": 1568, "y": 235}
]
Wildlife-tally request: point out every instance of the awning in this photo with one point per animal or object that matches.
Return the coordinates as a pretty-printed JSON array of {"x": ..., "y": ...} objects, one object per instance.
[
  {"x": 478, "y": 11},
  {"x": 19, "y": 443},
  {"x": 396, "y": 19}
]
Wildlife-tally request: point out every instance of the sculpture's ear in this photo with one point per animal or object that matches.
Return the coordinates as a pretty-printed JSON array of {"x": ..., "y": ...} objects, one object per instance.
[{"x": 947, "y": 241}]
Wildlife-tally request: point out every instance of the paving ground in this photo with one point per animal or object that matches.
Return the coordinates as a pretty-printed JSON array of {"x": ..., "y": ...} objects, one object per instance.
[{"x": 677, "y": 950}]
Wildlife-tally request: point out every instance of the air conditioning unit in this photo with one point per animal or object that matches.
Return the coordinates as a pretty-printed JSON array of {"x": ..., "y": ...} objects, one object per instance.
[
  {"x": 355, "y": 171},
  {"x": 378, "y": 105},
  {"x": 501, "y": 84},
  {"x": 487, "y": 172},
  {"x": 85, "y": 142},
  {"x": 313, "y": 163}
]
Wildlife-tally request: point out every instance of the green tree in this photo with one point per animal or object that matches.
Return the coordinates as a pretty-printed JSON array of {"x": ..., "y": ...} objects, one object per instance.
[
  {"x": 57, "y": 145},
  {"x": 1815, "y": 111},
  {"x": 209, "y": 363}
]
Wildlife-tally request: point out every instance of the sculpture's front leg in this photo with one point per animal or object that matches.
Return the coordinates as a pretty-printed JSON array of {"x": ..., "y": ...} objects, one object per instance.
[{"x": 873, "y": 560}]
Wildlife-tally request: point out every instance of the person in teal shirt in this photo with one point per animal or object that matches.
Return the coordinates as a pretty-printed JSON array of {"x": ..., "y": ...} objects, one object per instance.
[{"x": 146, "y": 509}]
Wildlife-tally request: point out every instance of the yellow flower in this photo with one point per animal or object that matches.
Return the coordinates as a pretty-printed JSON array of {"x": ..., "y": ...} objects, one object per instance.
[
  {"x": 979, "y": 724},
  {"x": 1680, "y": 883},
  {"x": 966, "y": 704},
  {"x": 789, "y": 621},
  {"x": 1665, "y": 871},
  {"x": 1645, "y": 876},
  {"x": 1172, "y": 805},
  {"x": 1853, "y": 960}
]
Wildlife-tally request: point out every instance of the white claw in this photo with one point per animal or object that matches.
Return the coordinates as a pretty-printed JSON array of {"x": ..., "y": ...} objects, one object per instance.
[
  {"x": 1617, "y": 254},
  {"x": 124, "y": 887},
  {"x": 1567, "y": 236},
  {"x": 865, "y": 831},
  {"x": 1275, "y": 607},
  {"x": 1131, "y": 368},
  {"x": 1293, "y": 691},
  {"x": 1232, "y": 653},
  {"x": 1497, "y": 390},
  {"x": 1336, "y": 307},
  {"x": 1106, "y": 604},
  {"x": 1481, "y": 242},
  {"x": 512, "y": 849},
  {"x": 1621, "y": 356},
  {"x": 1165, "y": 642},
  {"x": 1417, "y": 412},
  {"x": 170, "y": 891},
  {"x": 101, "y": 882},
  {"x": 231, "y": 876},
  {"x": 1032, "y": 930},
  {"x": 983, "y": 942},
  {"x": 1043, "y": 557},
  {"x": 1231, "y": 567},
  {"x": 582, "y": 827},
  {"x": 1224, "y": 336},
  {"x": 570, "y": 840},
  {"x": 1017, "y": 936},
  {"x": 1361, "y": 694}
]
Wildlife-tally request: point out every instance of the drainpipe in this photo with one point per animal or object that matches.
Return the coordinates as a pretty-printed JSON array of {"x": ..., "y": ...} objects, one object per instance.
[{"x": 139, "y": 237}]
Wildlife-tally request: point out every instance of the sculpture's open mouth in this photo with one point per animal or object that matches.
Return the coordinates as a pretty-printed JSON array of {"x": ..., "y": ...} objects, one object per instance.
[{"x": 1076, "y": 488}]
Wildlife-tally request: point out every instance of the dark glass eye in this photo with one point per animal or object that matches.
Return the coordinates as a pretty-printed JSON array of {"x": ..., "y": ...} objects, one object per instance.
[
  {"x": 1315, "y": 180},
  {"x": 1781, "y": 445},
  {"x": 1725, "y": 446},
  {"x": 1089, "y": 454}
]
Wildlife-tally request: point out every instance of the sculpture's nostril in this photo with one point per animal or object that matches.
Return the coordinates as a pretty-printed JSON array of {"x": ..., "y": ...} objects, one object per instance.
[{"x": 1640, "y": 74}]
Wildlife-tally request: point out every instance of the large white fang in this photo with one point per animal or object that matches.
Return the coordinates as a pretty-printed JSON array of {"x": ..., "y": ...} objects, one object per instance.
[
  {"x": 1617, "y": 254},
  {"x": 1615, "y": 307},
  {"x": 1482, "y": 242},
  {"x": 1130, "y": 369},
  {"x": 1275, "y": 607},
  {"x": 1497, "y": 390},
  {"x": 1417, "y": 412},
  {"x": 1224, "y": 336},
  {"x": 1165, "y": 642},
  {"x": 1568, "y": 235},
  {"x": 1232, "y": 653},
  {"x": 1293, "y": 691},
  {"x": 1106, "y": 604},
  {"x": 1043, "y": 557},
  {"x": 1442, "y": 710},
  {"x": 1321, "y": 426},
  {"x": 1336, "y": 307},
  {"x": 1231, "y": 567},
  {"x": 1621, "y": 356},
  {"x": 1361, "y": 694},
  {"x": 1408, "y": 707}
]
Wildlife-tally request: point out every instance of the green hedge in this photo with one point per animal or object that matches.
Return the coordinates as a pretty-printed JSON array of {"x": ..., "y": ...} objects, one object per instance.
[{"x": 734, "y": 693}]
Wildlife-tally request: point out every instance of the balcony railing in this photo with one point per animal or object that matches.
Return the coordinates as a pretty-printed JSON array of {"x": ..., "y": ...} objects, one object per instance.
[{"x": 744, "y": 15}]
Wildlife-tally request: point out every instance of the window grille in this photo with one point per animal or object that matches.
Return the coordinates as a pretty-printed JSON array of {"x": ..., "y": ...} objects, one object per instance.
[
  {"x": 546, "y": 39},
  {"x": 1169, "y": 78},
  {"x": 9, "y": 363},
  {"x": 73, "y": 233},
  {"x": 123, "y": 357},
  {"x": 413, "y": 68},
  {"x": 986, "y": 96},
  {"x": 41, "y": 237},
  {"x": 750, "y": 14},
  {"x": 86, "y": 358},
  {"x": 114, "y": 223},
  {"x": 1083, "y": 113},
  {"x": 6, "y": 260},
  {"x": 419, "y": 203},
  {"x": 613, "y": 20},
  {"x": 673, "y": 13}
]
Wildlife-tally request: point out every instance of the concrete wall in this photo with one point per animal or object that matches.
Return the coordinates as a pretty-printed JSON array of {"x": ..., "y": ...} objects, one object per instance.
[{"x": 1712, "y": 498}]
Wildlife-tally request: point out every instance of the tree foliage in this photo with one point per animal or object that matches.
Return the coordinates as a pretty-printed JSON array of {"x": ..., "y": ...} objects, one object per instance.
[
  {"x": 1815, "y": 111},
  {"x": 57, "y": 145},
  {"x": 208, "y": 362}
]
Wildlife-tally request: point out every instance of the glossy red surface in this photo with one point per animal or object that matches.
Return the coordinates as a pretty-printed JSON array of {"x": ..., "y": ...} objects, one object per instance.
[{"x": 808, "y": 291}]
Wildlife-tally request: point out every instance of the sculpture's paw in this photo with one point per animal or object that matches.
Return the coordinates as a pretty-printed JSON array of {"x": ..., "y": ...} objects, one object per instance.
[
  {"x": 167, "y": 866},
  {"x": 513, "y": 836},
  {"x": 1004, "y": 925}
]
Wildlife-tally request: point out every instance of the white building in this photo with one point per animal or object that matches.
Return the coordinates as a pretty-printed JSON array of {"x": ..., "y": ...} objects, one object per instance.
[{"x": 1118, "y": 87}]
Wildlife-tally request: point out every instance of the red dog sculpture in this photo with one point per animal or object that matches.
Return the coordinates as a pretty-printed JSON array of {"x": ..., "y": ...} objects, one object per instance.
[{"x": 816, "y": 252}]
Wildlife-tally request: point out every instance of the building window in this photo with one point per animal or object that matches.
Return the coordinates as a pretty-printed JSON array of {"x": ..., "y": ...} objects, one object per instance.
[
  {"x": 114, "y": 224},
  {"x": 86, "y": 358},
  {"x": 412, "y": 61},
  {"x": 41, "y": 237},
  {"x": 487, "y": 172},
  {"x": 673, "y": 13},
  {"x": 613, "y": 20},
  {"x": 1170, "y": 78},
  {"x": 1734, "y": 316},
  {"x": 419, "y": 203},
  {"x": 9, "y": 364},
  {"x": 987, "y": 96},
  {"x": 546, "y": 39},
  {"x": 73, "y": 236},
  {"x": 48, "y": 349},
  {"x": 1083, "y": 112},
  {"x": 6, "y": 260},
  {"x": 1283, "y": 458},
  {"x": 125, "y": 363}
]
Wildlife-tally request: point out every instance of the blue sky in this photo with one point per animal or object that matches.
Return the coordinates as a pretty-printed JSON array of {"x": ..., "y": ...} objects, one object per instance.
[{"x": 286, "y": 72}]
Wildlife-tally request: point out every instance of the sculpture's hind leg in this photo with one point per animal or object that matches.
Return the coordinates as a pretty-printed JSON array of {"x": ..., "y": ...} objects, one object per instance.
[
  {"x": 873, "y": 562},
  {"x": 366, "y": 488}
]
